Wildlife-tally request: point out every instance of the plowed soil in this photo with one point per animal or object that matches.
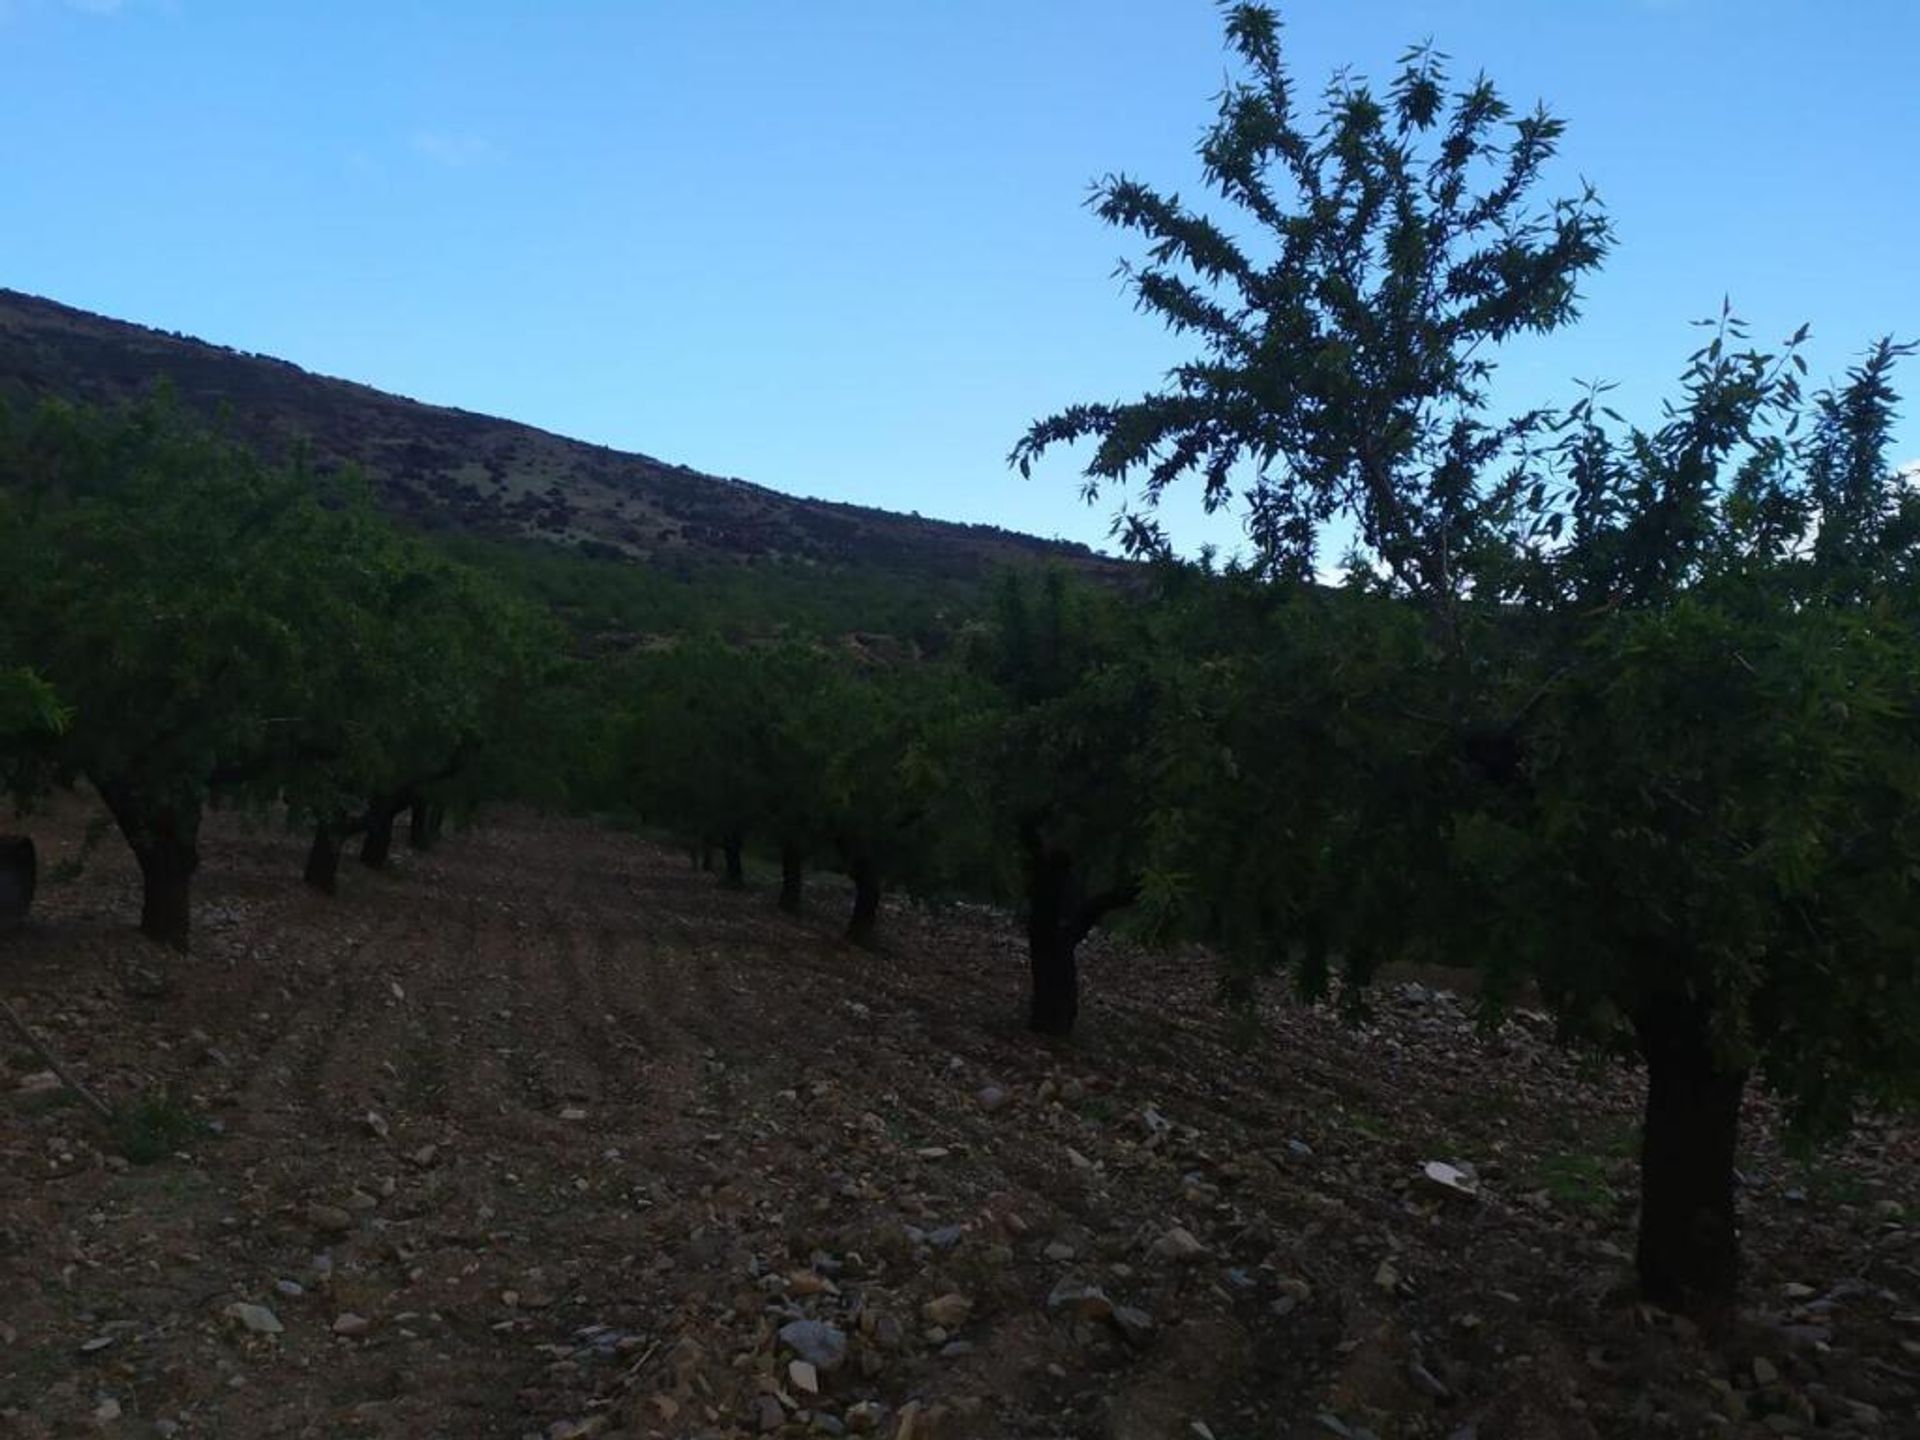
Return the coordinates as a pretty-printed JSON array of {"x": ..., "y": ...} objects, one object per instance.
[{"x": 542, "y": 1133}]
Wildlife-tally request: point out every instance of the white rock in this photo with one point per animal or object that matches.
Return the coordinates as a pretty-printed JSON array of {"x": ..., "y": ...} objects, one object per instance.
[
  {"x": 821, "y": 1345},
  {"x": 256, "y": 1318},
  {"x": 1179, "y": 1244},
  {"x": 1455, "y": 1179}
]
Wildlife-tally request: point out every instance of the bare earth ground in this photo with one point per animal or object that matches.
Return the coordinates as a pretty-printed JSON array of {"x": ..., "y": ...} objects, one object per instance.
[{"x": 567, "y": 1136}]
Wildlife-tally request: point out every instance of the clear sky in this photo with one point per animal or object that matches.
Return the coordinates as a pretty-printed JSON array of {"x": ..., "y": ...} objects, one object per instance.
[{"x": 839, "y": 247}]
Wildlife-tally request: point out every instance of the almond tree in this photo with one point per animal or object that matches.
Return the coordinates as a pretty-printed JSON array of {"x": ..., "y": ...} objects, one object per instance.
[
  {"x": 1708, "y": 838},
  {"x": 1065, "y": 766},
  {"x": 1653, "y": 742},
  {"x": 428, "y": 690},
  {"x": 159, "y": 590}
]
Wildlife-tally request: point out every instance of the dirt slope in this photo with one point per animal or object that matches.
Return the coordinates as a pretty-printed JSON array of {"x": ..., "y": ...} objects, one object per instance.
[{"x": 543, "y": 1135}]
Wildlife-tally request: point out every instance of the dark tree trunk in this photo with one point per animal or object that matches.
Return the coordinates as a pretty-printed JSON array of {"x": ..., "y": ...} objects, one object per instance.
[
  {"x": 419, "y": 830},
  {"x": 166, "y": 873},
  {"x": 1051, "y": 947},
  {"x": 424, "y": 823},
  {"x": 1689, "y": 1250},
  {"x": 736, "y": 873},
  {"x": 377, "y": 843},
  {"x": 792, "y": 877},
  {"x": 19, "y": 870},
  {"x": 703, "y": 857},
  {"x": 1055, "y": 1002},
  {"x": 323, "y": 859},
  {"x": 1059, "y": 917},
  {"x": 866, "y": 901},
  {"x": 166, "y": 842}
]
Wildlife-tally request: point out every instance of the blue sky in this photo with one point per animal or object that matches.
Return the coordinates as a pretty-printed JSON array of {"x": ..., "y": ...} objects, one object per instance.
[{"x": 839, "y": 247}]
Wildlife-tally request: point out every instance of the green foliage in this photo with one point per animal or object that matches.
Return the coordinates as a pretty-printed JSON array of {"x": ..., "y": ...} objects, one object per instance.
[
  {"x": 31, "y": 716},
  {"x": 1286, "y": 808},
  {"x": 156, "y": 594},
  {"x": 1721, "y": 767},
  {"x": 1345, "y": 350},
  {"x": 803, "y": 745},
  {"x": 155, "y": 1126},
  {"x": 217, "y": 627},
  {"x": 1637, "y": 715},
  {"x": 1065, "y": 768},
  {"x": 436, "y": 683},
  {"x": 28, "y": 706},
  {"x": 612, "y": 603}
]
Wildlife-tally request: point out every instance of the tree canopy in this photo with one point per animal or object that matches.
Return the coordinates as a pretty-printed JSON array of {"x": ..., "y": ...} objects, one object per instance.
[{"x": 1635, "y": 721}]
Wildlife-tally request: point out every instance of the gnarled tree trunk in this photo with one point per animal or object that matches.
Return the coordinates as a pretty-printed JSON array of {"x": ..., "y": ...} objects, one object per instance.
[
  {"x": 166, "y": 842},
  {"x": 424, "y": 819},
  {"x": 1059, "y": 917},
  {"x": 866, "y": 900},
  {"x": 19, "y": 871},
  {"x": 793, "y": 863},
  {"x": 736, "y": 872},
  {"x": 377, "y": 843},
  {"x": 1689, "y": 1248},
  {"x": 323, "y": 858},
  {"x": 1054, "y": 1002}
]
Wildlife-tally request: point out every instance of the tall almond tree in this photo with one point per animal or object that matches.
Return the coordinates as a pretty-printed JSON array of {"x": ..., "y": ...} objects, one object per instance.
[{"x": 1654, "y": 746}]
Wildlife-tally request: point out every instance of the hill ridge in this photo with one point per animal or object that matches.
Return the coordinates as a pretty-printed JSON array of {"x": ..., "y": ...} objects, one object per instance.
[{"x": 443, "y": 467}]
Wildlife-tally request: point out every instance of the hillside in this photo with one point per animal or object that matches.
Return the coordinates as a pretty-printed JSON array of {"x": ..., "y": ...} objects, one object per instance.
[{"x": 448, "y": 469}]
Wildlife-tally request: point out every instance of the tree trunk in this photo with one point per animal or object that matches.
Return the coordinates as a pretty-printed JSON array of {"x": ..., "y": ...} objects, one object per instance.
[
  {"x": 736, "y": 873},
  {"x": 166, "y": 842},
  {"x": 792, "y": 876},
  {"x": 1052, "y": 947},
  {"x": 1059, "y": 916},
  {"x": 19, "y": 869},
  {"x": 166, "y": 873},
  {"x": 423, "y": 824},
  {"x": 323, "y": 859},
  {"x": 866, "y": 901},
  {"x": 1689, "y": 1249},
  {"x": 377, "y": 843},
  {"x": 1055, "y": 1002}
]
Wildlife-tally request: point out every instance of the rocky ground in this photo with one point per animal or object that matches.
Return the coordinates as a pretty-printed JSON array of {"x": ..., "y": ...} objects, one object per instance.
[{"x": 542, "y": 1134}]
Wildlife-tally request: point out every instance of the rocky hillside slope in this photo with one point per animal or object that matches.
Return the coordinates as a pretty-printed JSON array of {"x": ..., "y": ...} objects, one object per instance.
[{"x": 445, "y": 468}]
